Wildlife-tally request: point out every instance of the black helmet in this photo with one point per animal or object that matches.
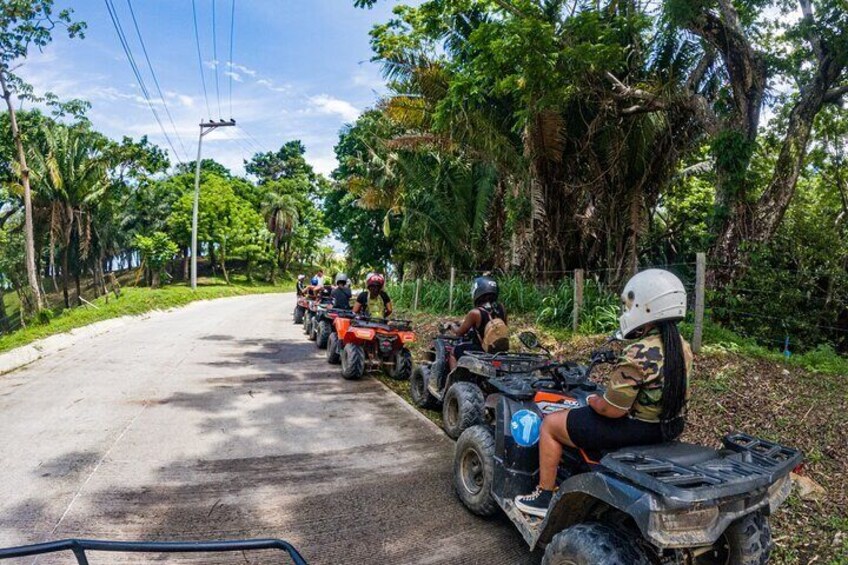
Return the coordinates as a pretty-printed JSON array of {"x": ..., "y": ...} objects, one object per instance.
[
  {"x": 341, "y": 277},
  {"x": 484, "y": 286}
]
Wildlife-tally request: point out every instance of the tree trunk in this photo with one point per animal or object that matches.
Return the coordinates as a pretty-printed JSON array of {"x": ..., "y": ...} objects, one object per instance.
[
  {"x": 65, "y": 253},
  {"x": 77, "y": 285},
  {"x": 29, "y": 237},
  {"x": 224, "y": 263},
  {"x": 154, "y": 278},
  {"x": 186, "y": 273}
]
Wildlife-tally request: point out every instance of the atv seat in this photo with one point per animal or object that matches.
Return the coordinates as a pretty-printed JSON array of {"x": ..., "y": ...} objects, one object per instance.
[{"x": 685, "y": 454}]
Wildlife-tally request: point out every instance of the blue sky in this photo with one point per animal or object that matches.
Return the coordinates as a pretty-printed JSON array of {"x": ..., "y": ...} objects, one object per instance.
[{"x": 300, "y": 70}]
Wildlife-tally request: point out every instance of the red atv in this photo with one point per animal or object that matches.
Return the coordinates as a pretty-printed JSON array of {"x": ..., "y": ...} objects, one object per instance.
[
  {"x": 368, "y": 344},
  {"x": 300, "y": 309}
]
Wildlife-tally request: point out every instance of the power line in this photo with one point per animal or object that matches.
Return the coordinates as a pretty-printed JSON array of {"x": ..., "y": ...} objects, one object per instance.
[
  {"x": 230, "y": 75},
  {"x": 200, "y": 58},
  {"x": 116, "y": 23},
  {"x": 155, "y": 79},
  {"x": 215, "y": 57},
  {"x": 254, "y": 141}
]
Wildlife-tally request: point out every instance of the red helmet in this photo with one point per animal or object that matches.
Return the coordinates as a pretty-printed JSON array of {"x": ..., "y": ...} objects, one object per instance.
[{"x": 375, "y": 279}]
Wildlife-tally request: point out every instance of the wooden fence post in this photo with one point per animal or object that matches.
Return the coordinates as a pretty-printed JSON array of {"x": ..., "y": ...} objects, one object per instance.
[
  {"x": 700, "y": 285},
  {"x": 417, "y": 290},
  {"x": 578, "y": 298},
  {"x": 450, "y": 294}
]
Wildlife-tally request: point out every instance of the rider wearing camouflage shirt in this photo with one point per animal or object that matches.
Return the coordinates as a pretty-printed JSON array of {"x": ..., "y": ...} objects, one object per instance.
[{"x": 636, "y": 382}]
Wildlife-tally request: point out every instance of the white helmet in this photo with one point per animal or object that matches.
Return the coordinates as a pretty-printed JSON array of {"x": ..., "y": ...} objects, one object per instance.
[{"x": 653, "y": 295}]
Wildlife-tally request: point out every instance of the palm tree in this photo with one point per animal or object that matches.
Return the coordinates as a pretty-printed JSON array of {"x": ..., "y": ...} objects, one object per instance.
[
  {"x": 70, "y": 178},
  {"x": 282, "y": 217}
]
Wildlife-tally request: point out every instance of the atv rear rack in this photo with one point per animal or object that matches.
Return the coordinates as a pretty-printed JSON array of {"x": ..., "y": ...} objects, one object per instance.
[
  {"x": 687, "y": 473},
  {"x": 79, "y": 547},
  {"x": 513, "y": 362}
]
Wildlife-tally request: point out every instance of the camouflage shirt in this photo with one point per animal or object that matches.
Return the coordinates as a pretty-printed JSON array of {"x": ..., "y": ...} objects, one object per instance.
[{"x": 637, "y": 380}]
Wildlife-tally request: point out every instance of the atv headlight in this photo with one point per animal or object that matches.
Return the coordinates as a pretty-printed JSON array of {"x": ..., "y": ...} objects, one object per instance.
[{"x": 686, "y": 520}]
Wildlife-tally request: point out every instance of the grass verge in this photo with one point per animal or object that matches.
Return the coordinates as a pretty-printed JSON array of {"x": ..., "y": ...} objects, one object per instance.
[{"x": 134, "y": 301}]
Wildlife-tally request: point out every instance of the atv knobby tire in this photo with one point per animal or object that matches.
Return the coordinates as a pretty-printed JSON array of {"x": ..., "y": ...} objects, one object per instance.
[
  {"x": 593, "y": 543},
  {"x": 403, "y": 365},
  {"x": 421, "y": 397},
  {"x": 353, "y": 362},
  {"x": 474, "y": 470},
  {"x": 462, "y": 408},
  {"x": 298, "y": 314},
  {"x": 333, "y": 349},
  {"x": 313, "y": 329},
  {"x": 307, "y": 324},
  {"x": 746, "y": 541},
  {"x": 439, "y": 369},
  {"x": 324, "y": 330}
]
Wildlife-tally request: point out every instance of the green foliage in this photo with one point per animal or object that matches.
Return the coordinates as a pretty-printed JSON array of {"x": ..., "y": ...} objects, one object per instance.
[{"x": 156, "y": 250}]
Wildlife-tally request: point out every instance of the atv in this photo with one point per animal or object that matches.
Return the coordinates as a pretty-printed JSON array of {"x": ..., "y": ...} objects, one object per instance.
[
  {"x": 673, "y": 502},
  {"x": 366, "y": 344},
  {"x": 300, "y": 308},
  {"x": 315, "y": 306},
  {"x": 462, "y": 393},
  {"x": 79, "y": 547},
  {"x": 322, "y": 324}
]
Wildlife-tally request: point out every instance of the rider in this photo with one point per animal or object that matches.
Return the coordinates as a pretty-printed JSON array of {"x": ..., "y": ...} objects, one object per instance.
[
  {"x": 484, "y": 293},
  {"x": 315, "y": 284},
  {"x": 374, "y": 282},
  {"x": 326, "y": 291},
  {"x": 646, "y": 398},
  {"x": 301, "y": 285},
  {"x": 342, "y": 293}
]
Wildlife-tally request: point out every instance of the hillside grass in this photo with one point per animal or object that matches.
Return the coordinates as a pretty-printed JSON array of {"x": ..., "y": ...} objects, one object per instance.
[
  {"x": 134, "y": 301},
  {"x": 800, "y": 401}
]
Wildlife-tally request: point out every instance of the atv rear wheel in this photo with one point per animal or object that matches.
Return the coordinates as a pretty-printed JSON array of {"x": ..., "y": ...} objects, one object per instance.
[
  {"x": 353, "y": 362},
  {"x": 307, "y": 324},
  {"x": 474, "y": 470},
  {"x": 403, "y": 365},
  {"x": 439, "y": 369},
  {"x": 593, "y": 543},
  {"x": 298, "y": 314},
  {"x": 333, "y": 355},
  {"x": 462, "y": 408},
  {"x": 421, "y": 397},
  {"x": 746, "y": 541},
  {"x": 324, "y": 329},
  {"x": 313, "y": 329}
]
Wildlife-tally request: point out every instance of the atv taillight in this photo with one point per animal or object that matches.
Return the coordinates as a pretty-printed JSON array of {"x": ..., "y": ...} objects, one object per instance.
[
  {"x": 407, "y": 337},
  {"x": 364, "y": 333}
]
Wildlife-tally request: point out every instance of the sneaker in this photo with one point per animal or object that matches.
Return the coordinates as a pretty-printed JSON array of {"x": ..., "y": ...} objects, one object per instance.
[{"x": 535, "y": 503}]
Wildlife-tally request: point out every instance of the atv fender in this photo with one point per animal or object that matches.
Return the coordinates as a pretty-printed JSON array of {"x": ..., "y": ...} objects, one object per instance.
[{"x": 584, "y": 495}]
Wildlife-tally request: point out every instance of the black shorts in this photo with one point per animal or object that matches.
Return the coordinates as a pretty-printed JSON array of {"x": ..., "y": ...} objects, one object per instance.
[
  {"x": 591, "y": 431},
  {"x": 464, "y": 347}
]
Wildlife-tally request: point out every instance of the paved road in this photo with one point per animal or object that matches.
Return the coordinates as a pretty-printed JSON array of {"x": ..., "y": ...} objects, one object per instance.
[{"x": 220, "y": 420}]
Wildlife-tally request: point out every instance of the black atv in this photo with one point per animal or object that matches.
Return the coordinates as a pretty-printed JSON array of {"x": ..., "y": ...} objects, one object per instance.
[
  {"x": 668, "y": 503},
  {"x": 79, "y": 547},
  {"x": 315, "y": 307},
  {"x": 462, "y": 393},
  {"x": 323, "y": 325}
]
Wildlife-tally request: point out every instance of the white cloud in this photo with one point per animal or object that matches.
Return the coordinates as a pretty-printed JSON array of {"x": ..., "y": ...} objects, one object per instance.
[
  {"x": 242, "y": 69},
  {"x": 235, "y": 76},
  {"x": 326, "y": 104}
]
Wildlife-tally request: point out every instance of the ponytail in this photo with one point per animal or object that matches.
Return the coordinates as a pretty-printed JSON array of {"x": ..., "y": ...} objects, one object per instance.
[{"x": 672, "y": 418}]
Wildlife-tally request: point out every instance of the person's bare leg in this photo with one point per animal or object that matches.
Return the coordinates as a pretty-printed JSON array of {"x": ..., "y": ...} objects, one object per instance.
[
  {"x": 451, "y": 362},
  {"x": 552, "y": 437}
]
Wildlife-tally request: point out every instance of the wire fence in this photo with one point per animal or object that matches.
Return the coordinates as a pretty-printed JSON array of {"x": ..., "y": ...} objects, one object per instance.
[{"x": 786, "y": 318}]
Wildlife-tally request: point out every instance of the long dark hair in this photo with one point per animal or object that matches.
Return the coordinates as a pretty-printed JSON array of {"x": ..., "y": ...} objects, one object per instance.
[{"x": 672, "y": 418}]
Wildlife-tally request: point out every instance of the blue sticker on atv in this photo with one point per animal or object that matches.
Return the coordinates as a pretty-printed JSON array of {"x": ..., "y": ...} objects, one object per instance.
[{"x": 525, "y": 427}]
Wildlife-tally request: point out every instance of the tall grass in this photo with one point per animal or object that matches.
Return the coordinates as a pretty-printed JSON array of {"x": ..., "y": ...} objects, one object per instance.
[{"x": 549, "y": 304}]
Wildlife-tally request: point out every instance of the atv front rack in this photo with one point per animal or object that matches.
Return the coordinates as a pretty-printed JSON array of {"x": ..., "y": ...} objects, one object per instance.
[{"x": 79, "y": 547}]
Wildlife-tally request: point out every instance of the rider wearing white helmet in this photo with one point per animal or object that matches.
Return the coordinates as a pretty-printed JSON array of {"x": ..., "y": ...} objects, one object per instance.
[
  {"x": 645, "y": 400},
  {"x": 342, "y": 293}
]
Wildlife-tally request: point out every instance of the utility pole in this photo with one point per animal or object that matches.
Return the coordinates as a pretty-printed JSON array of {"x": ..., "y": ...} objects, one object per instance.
[{"x": 205, "y": 127}]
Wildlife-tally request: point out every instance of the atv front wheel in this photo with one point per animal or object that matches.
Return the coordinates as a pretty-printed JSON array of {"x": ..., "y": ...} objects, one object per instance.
[
  {"x": 333, "y": 355},
  {"x": 474, "y": 470},
  {"x": 403, "y": 365},
  {"x": 592, "y": 543},
  {"x": 353, "y": 362},
  {"x": 746, "y": 541},
  {"x": 462, "y": 408},
  {"x": 421, "y": 397},
  {"x": 298, "y": 314},
  {"x": 324, "y": 329}
]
